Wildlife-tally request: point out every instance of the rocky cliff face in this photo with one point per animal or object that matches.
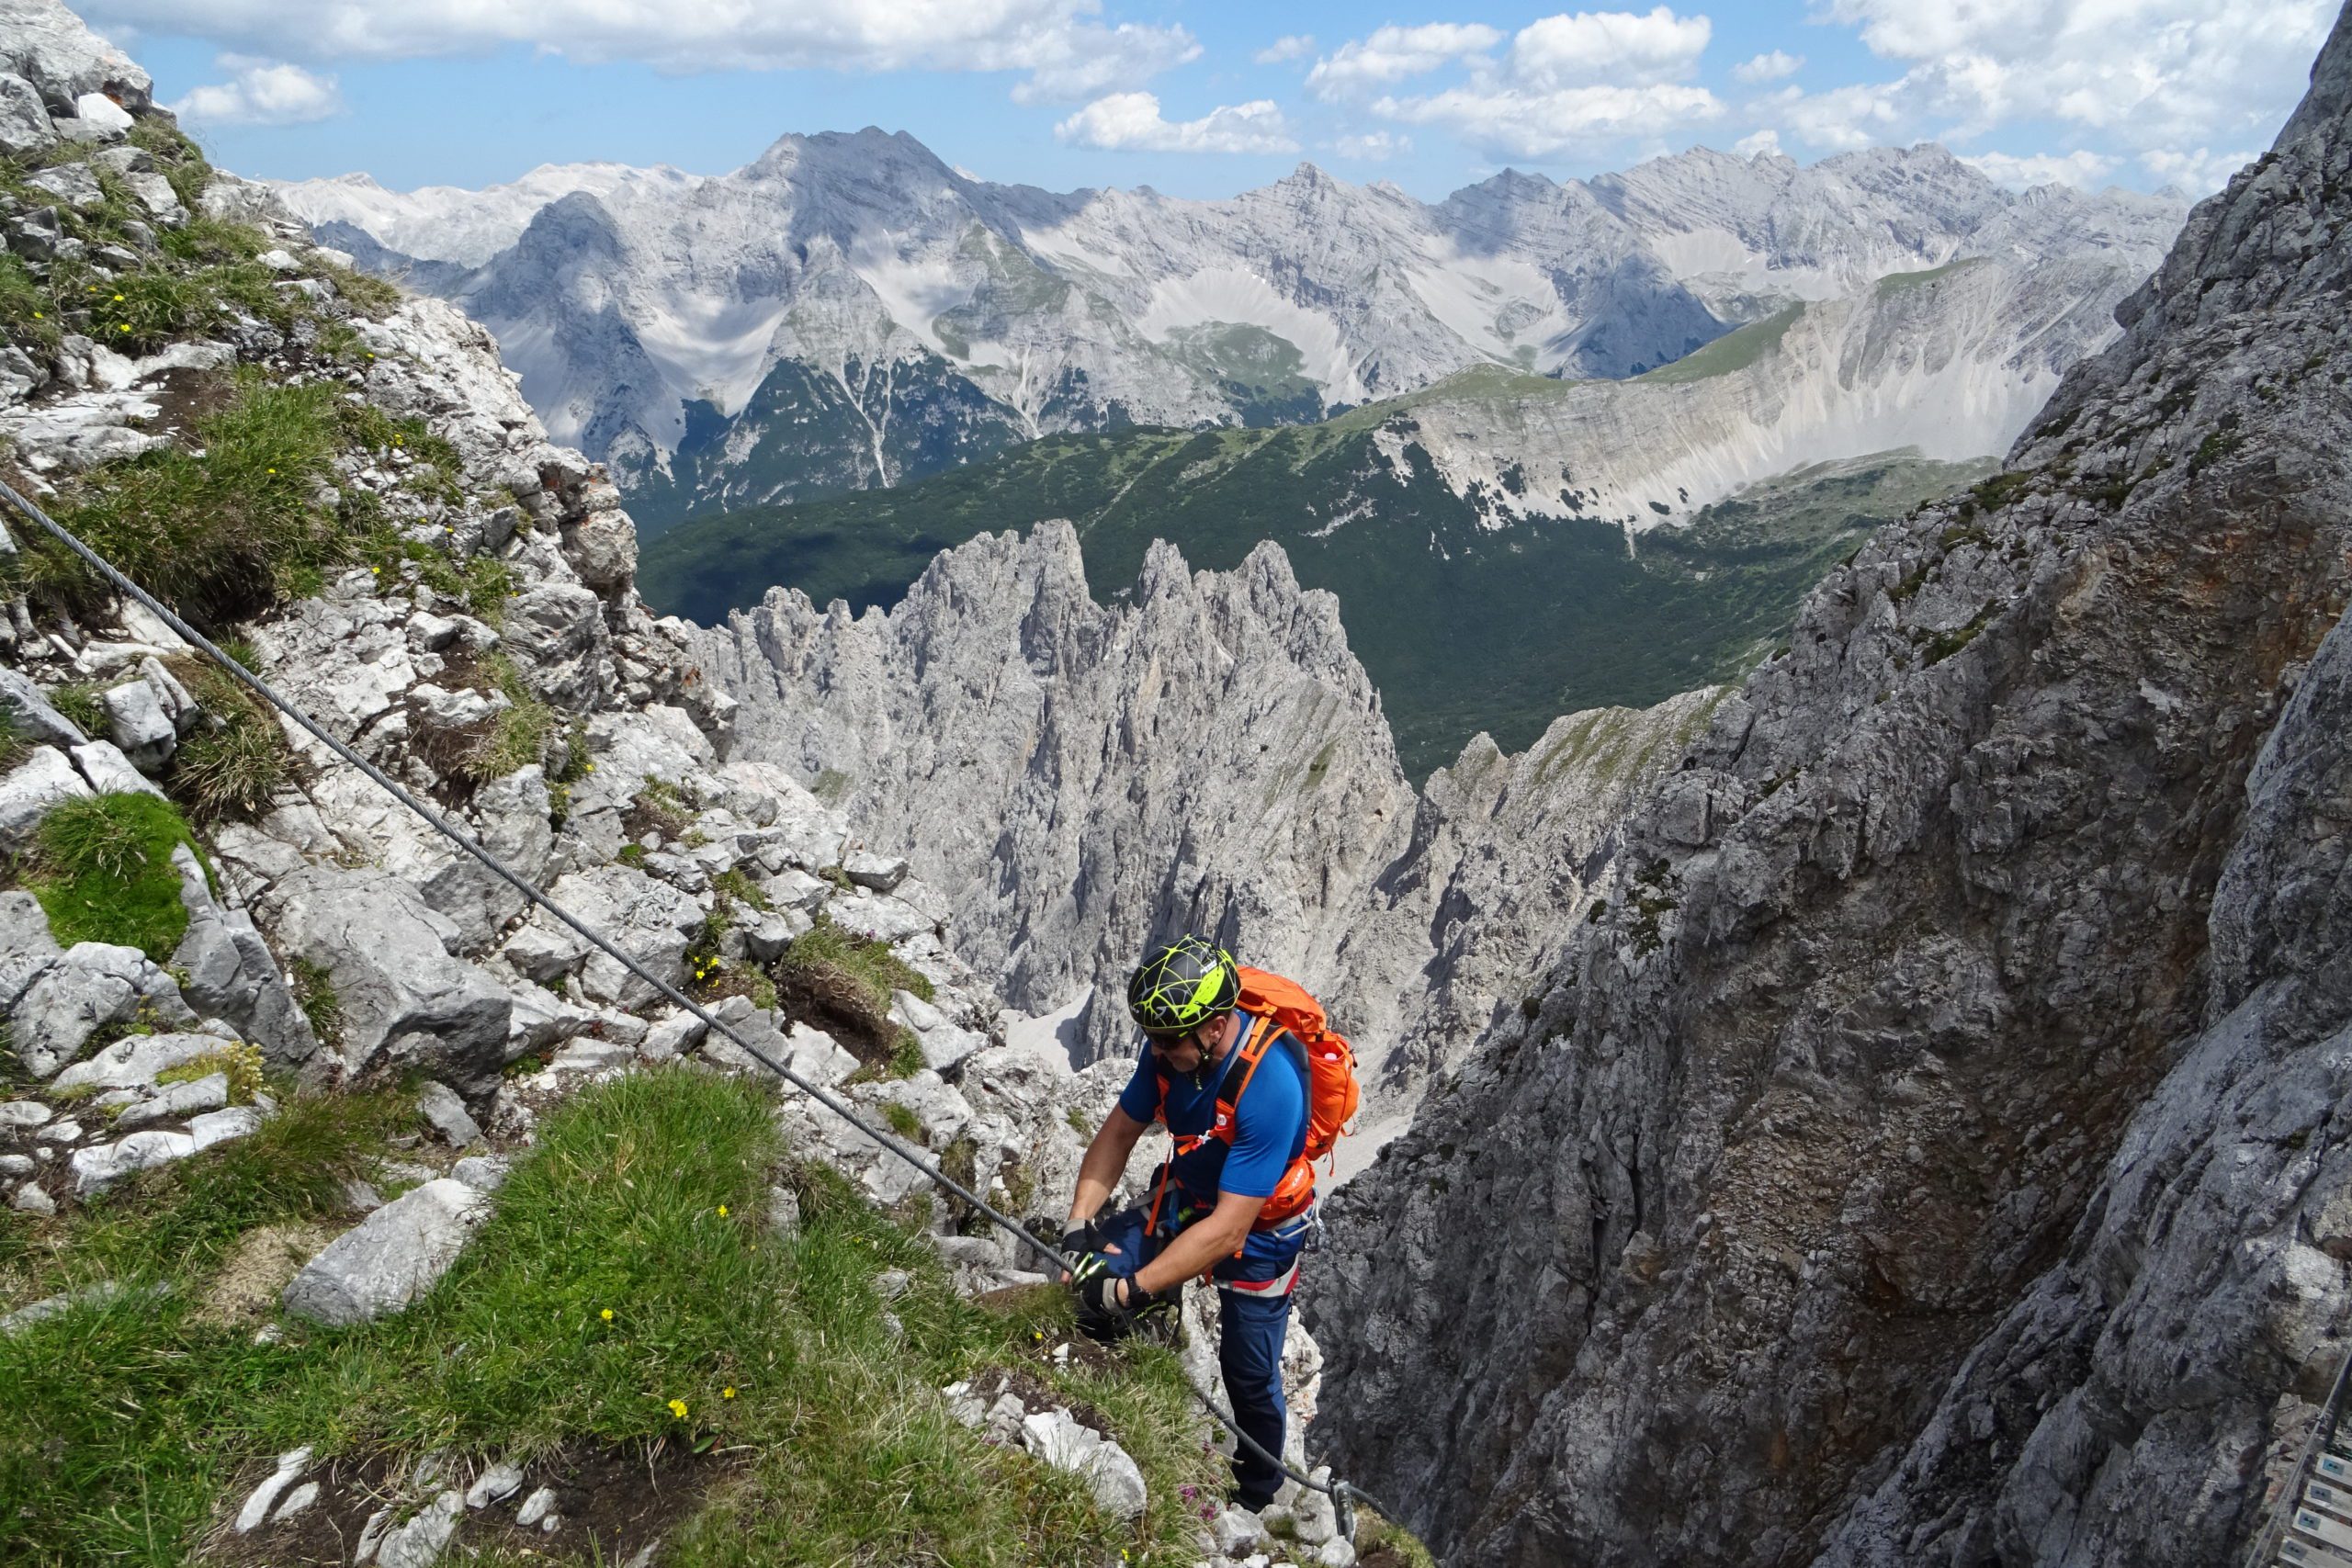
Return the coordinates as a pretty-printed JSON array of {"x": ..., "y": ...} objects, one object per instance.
[
  {"x": 1930, "y": 1153},
  {"x": 847, "y": 310},
  {"x": 1207, "y": 755}
]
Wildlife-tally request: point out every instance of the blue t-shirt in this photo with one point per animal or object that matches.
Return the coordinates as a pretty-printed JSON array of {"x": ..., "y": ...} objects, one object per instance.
[{"x": 1270, "y": 1128}]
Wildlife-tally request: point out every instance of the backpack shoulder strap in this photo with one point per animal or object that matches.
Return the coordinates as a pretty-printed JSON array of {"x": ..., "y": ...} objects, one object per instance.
[{"x": 1253, "y": 1051}]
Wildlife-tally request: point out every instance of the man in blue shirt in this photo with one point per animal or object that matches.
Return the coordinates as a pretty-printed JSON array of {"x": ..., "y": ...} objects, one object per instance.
[{"x": 1233, "y": 1202}]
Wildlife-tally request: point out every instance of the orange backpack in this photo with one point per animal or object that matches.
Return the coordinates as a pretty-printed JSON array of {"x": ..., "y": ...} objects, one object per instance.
[{"x": 1332, "y": 1094}]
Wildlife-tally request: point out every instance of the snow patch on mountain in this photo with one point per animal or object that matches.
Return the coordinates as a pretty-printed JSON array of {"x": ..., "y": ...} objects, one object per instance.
[{"x": 451, "y": 223}]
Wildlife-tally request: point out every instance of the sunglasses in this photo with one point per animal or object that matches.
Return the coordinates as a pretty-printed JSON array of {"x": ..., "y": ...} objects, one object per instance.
[{"x": 1170, "y": 1041}]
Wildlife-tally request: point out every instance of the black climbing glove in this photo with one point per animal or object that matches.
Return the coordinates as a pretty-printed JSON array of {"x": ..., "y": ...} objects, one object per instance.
[
  {"x": 1101, "y": 1313},
  {"x": 1085, "y": 1238}
]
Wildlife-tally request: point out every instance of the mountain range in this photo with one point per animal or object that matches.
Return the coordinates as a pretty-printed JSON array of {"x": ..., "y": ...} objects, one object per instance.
[{"x": 848, "y": 310}]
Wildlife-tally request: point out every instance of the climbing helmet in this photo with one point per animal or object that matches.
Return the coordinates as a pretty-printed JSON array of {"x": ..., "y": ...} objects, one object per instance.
[{"x": 1182, "y": 986}]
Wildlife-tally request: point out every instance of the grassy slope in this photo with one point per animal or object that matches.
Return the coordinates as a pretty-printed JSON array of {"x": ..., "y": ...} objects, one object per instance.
[
  {"x": 136, "y": 1419},
  {"x": 1551, "y": 616}
]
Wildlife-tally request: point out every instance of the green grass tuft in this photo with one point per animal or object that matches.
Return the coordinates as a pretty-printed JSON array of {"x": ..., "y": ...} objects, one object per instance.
[
  {"x": 874, "y": 964},
  {"x": 214, "y": 536},
  {"x": 233, "y": 770},
  {"x": 104, "y": 873},
  {"x": 314, "y": 993}
]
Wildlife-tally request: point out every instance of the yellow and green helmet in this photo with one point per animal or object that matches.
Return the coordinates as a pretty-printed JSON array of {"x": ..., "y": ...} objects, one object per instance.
[{"x": 1182, "y": 986}]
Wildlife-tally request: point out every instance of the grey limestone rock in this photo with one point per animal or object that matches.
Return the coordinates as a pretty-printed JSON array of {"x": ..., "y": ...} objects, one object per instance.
[
  {"x": 102, "y": 1165},
  {"x": 42, "y": 780},
  {"x": 35, "y": 720},
  {"x": 646, "y": 918},
  {"x": 27, "y": 949},
  {"x": 231, "y": 975},
  {"x": 71, "y": 183},
  {"x": 390, "y": 1258},
  {"x": 90, "y": 985},
  {"x": 420, "y": 1542},
  {"x": 178, "y": 1100},
  {"x": 134, "y": 1061},
  {"x": 24, "y": 123},
  {"x": 445, "y": 1113},
  {"x": 137, "y": 723},
  {"x": 109, "y": 770},
  {"x": 404, "y": 996},
  {"x": 50, "y": 46},
  {"x": 1057, "y": 1438}
]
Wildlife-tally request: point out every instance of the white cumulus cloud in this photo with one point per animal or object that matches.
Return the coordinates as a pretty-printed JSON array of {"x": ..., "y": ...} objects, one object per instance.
[
  {"x": 1769, "y": 67},
  {"x": 1765, "y": 141},
  {"x": 1617, "y": 47},
  {"x": 1574, "y": 83},
  {"x": 1294, "y": 46},
  {"x": 1372, "y": 146},
  {"x": 260, "y": 92},
  {"x": 1131, "y": 121},
  {"x": 1393, "y": 53},
  {"x": 2199, "y": 171},
  {"x": 2146, "y": 72},
  {"x": 1565, "y": 119},
  {"x": 1065, "y": 53},
  {"x": 2082, "y": 168}
]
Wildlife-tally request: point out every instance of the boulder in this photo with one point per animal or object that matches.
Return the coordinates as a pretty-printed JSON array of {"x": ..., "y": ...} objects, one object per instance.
[
  {"x": 137, "y": 722},
  {"x": 230, "y": 974},
  {"x": 40, "y": 781},
  {"x": 881, "y": 873},
  {"x": 646, "y": 918},
  {"x": 401, "y": 993},
  {"x": 602, "y": 547},
  {"x": 50, "y": 47},
  {"x": 389, "y": 1258},
  {"x": 1056, "y": 1438},
  {"x": 178, "y": 1100},
  {"x": 24, "y": 123},
  {"x": 26, "y": 947},
  {"x": 219, "y": 1126},
  {"x": 36, "y": 720},
  {"x": 109, "y": 771},
  {"x": 134, "y": 1062},
  {"x": 71, "y": 183},
  {"x": 92, "y": 984},
  {"x": 483, "y": 1173},
  {"x": 445, "y": 1113},
  {"x": 102, "y": 1165},
  {"x": 511, "y": 822}
]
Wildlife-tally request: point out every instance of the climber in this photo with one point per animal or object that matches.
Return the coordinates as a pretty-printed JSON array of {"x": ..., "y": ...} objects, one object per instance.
[{"x": 1252, "y": 1087}]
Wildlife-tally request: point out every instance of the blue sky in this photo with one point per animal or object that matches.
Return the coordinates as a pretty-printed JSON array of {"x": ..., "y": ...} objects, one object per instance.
[{"x": 1201, "y": 99}]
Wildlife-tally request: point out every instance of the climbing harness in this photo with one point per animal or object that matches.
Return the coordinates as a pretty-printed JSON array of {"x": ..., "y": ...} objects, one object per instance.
[{"x": 1341, "y": 1493}]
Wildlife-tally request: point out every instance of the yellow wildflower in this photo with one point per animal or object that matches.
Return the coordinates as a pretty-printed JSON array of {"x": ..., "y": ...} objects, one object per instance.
[
  {"x": 118, "y": 300},
  {"x": 678, "y": 1408},
  {"x": 123, "y": 327},
  {"x": 725, "y": 1394},
  {"x": 607, "y": 1314},
  {"x": 722, "y": 1211}
]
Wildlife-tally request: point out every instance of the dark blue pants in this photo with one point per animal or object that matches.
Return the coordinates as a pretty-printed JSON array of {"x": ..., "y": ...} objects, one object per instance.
[{"x": 1252, "y": 1325}]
